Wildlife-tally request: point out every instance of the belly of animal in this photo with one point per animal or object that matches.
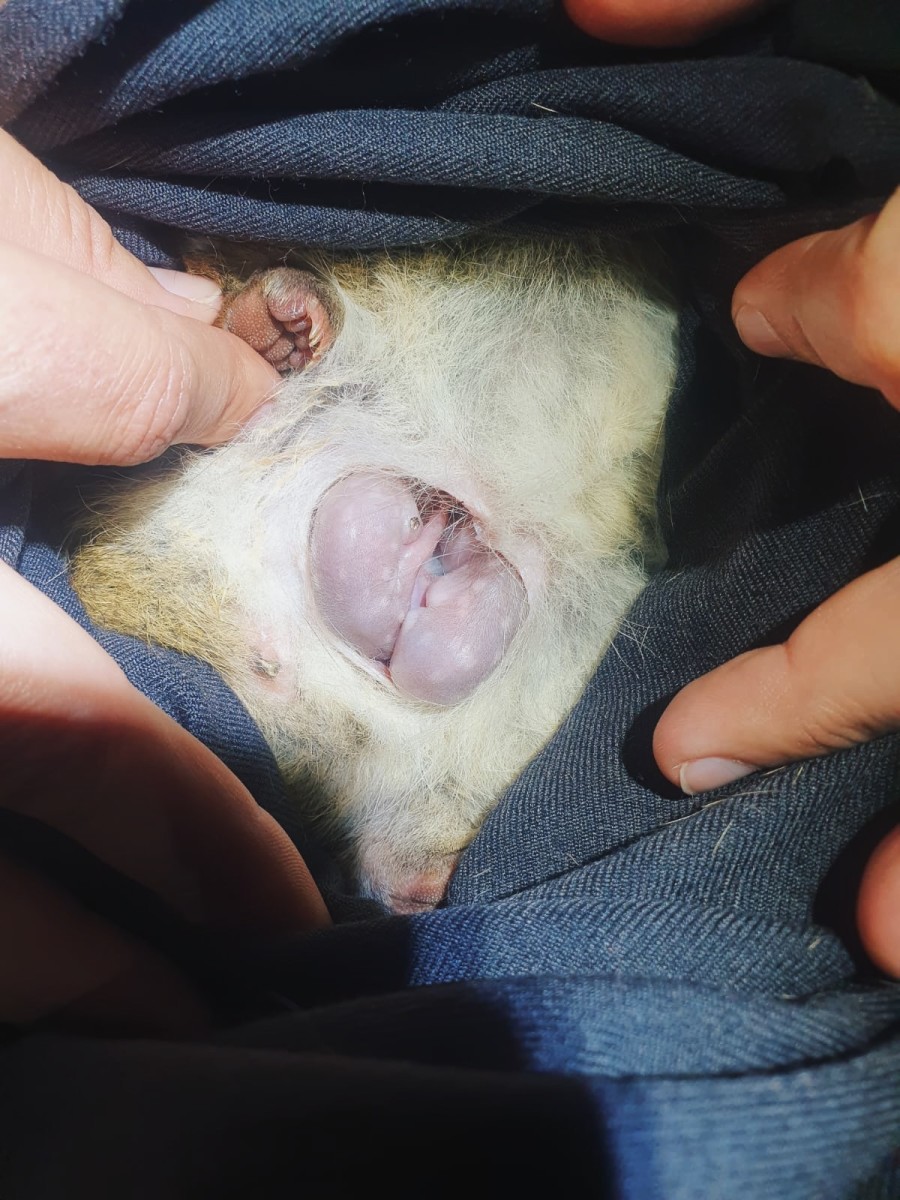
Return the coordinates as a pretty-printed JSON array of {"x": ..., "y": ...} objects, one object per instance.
[{"x": 408, "y": 566}]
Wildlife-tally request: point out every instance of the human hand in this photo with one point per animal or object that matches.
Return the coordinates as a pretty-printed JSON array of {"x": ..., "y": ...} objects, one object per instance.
[
  {"x": 832, "y": 299},
  {"x": 103, "y": 361},
  {"x": 657, "y": 22}
]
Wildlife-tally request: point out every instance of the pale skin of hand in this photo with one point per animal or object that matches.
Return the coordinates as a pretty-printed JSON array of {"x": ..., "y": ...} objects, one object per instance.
[
  {"x": 104, "y": 361},
  {"x": 120, "y": 372},
  {"x": 832, "y": 299}
]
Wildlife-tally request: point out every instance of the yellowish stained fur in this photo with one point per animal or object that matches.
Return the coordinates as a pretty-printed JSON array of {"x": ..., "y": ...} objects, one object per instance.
[{"x": 529, "y": 381}]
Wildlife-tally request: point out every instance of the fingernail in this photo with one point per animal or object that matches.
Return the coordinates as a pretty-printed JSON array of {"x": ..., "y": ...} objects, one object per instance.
[
  {"x": 705, "y": 774},
  {"x": 189, "y": 287},
  {"x": 756, "y": 332}
]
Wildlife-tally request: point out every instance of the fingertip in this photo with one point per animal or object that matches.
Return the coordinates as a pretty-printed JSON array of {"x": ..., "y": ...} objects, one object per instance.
[
  {"x": 666, "y": 751},
  {"x": 682, "y": 735},
  {"x": 655, "y": 22},
  {"x": 257, "y": 383},
  {"x": 757, "y": 333},
  {"x": 717, "y": 729},
  {"x": 203, "y": 297},
  {"x": 235, "y": 383},
  {"x": 280, "y": 894},
  {"x": 829, "y": 299},
  {"x": 878, "y": 905},
  {"x": 675, "y": 742}
]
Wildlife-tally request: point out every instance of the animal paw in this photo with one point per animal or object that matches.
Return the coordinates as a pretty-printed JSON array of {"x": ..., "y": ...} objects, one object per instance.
[{"x": 282, "y": 314}]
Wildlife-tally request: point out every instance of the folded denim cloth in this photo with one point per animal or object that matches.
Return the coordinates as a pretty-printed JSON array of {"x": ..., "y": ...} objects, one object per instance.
[{"x": 629, "y": 991}]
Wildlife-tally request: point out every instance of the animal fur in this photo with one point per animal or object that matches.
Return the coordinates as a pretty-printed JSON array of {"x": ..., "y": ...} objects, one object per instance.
[{"x": 528, "y": 381}]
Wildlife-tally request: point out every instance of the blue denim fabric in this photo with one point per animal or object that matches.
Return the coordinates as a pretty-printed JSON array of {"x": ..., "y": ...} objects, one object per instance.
[{"x": 629, "y": 992}]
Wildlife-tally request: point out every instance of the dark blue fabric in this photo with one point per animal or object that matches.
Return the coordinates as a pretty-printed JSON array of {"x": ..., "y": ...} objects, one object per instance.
[{"x": 629, "y": 992}]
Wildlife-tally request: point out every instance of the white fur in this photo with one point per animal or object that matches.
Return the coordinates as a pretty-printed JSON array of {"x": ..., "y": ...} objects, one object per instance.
[{"x": 529, "y": 381}]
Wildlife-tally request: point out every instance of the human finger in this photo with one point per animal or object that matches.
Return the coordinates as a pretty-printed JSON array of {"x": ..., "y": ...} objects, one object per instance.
[
  {"x": 129, "y": 784},
  {"x": 833, "y": 299},
  {"x": 656, "y": 22},
  {"x": 878, "y": 905},
  {"x": 89, "y": 375},
  {"x": 39, "y": 212},
  {"x": 832, "y": 684},
  {"x": 60, "y": 963}
]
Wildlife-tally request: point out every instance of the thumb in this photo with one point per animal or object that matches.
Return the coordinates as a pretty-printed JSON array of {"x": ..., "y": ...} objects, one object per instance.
[
  {"x": 45, "y": 214},
  {"x": 878, "y": 905},
  {"x": 832, "y": 299},
  {"x": 834, "y": 683}
]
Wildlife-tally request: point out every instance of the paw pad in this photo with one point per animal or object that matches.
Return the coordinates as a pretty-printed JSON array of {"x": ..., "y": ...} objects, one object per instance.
[{"x": 281, "y": 313}]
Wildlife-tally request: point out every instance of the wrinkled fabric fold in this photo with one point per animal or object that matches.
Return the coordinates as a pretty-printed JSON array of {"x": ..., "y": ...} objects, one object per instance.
[{"x": 629, "y": 990}]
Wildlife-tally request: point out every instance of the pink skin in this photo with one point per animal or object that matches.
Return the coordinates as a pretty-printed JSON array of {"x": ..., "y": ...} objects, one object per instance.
[
  {"x": 427, "y": 600},
  {"x": 415, "y": 891}
]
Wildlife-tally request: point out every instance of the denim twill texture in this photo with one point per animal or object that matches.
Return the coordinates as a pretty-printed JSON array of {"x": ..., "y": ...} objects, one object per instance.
[{"x": 630, "y": 993}]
